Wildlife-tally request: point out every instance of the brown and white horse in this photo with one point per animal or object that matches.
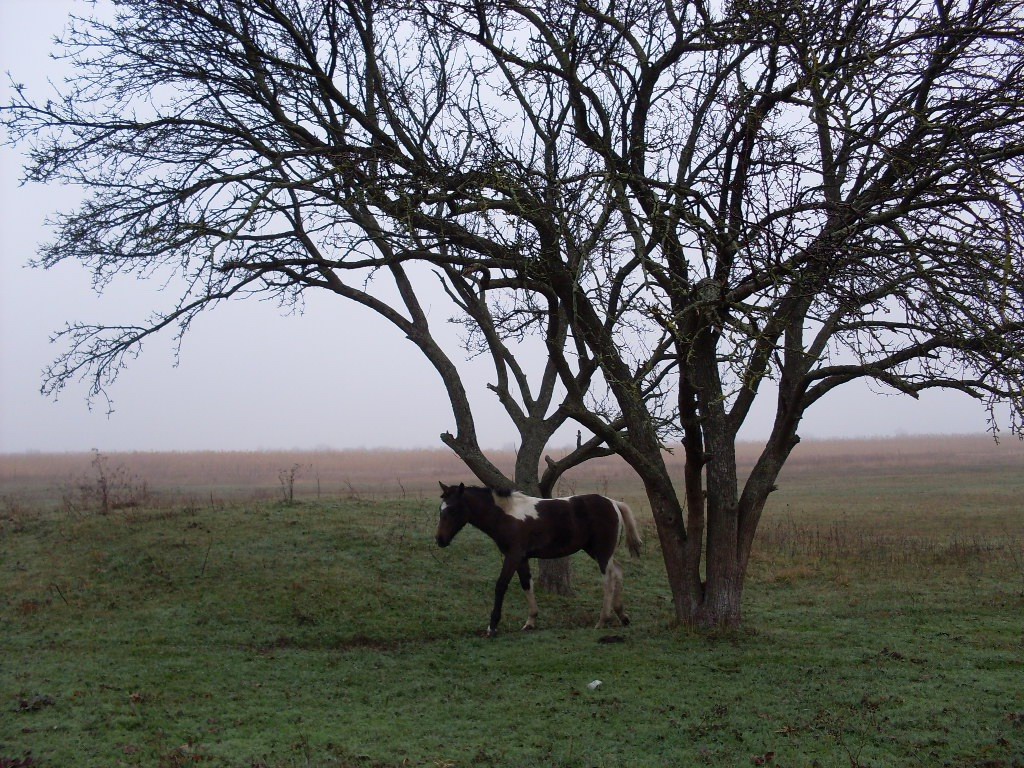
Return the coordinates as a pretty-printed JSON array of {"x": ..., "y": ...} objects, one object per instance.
[{"x": 524, "y": 527}]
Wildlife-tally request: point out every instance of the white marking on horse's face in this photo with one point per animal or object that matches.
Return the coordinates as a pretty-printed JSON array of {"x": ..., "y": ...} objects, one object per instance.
[
  {"x": 447, "y": 528},
  {"x": 518, "y": 505}
]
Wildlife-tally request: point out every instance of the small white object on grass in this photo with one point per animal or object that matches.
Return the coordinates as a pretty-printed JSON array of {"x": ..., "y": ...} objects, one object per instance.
[{"x": 594, "y": 685}]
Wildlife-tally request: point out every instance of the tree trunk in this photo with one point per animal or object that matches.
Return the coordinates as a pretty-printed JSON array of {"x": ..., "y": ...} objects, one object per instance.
[
  {"x": 722, "y": 605},
  {"x": 555, "y": 576},
  {"x": 684, "y": 582}
]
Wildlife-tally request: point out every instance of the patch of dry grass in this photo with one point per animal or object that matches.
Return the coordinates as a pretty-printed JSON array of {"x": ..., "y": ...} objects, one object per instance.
[{"x": 391, "y": 473}]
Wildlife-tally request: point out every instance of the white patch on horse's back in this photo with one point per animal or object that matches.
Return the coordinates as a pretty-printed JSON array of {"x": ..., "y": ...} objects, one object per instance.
[{"x": 518, "y": 505}]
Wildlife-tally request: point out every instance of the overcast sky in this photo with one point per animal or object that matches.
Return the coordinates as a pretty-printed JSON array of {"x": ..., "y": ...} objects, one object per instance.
[{"x": 251, "y": 376}]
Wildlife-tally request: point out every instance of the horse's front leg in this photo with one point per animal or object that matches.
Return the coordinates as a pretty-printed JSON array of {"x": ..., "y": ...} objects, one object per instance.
[
  {"x": 508, "y": 568},
  {"x": 526, "y": 581}
]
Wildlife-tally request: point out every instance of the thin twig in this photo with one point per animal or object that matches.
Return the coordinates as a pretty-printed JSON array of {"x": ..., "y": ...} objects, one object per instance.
[{"x": 53, "y": 585}]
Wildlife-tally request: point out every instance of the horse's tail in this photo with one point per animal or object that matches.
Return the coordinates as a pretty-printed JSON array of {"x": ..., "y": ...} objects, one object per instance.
[{"x": 633, "y": 539}]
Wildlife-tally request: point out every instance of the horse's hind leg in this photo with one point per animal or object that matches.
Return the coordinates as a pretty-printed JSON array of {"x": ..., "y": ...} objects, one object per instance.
[
  {"x": 607, "y": 605},
  {"x": 620, "y": 611},
  {"x": 526, "y": 581}
]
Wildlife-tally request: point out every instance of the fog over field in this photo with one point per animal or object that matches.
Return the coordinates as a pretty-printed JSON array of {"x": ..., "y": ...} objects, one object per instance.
[
  {"x": 385, "y": 473},
  {"x": 253, "y": 375}
]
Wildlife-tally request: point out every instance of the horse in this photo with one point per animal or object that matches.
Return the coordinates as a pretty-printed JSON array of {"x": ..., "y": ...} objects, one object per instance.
[{"x": 523, "y": 527}]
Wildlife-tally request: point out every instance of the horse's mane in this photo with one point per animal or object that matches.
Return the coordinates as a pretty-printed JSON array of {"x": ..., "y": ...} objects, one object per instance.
[
  {"x": 487, "y": 493},
  {"x": 480, "y": 490},
  {"x": 490, "y": 493}
]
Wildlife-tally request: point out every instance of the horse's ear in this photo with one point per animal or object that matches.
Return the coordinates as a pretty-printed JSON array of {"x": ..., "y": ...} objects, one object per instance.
[
  {"x": 444, "y": 488},
  {"x": 462, "y": 488}
]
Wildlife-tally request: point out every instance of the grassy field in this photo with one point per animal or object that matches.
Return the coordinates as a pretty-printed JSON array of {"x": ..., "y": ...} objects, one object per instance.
[{"x": 884, "y": 626}]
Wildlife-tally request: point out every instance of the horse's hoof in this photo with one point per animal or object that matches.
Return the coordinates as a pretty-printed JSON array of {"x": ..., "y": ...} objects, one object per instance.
[
  {"x": 624, "y": 619},
  {"x": 491, "y": 633},
  {"x": 529, "y": 627}
]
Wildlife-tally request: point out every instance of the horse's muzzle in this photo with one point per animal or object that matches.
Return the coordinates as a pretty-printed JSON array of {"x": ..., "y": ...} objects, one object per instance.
[{"x": 443, "y": 542}]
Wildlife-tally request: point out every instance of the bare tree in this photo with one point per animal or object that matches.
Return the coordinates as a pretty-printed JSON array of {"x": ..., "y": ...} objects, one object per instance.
[
  {"x": 682, "y": 201},
  {"x": 806, "y": 192},
  {"x": 239, "y": 150}
]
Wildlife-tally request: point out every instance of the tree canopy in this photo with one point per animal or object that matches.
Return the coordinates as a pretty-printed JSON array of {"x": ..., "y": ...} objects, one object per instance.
[{"x": 682, "y": 200}]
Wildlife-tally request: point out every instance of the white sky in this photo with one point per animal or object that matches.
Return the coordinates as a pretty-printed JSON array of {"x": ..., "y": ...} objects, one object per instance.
[{"x": 251, "y": 376}]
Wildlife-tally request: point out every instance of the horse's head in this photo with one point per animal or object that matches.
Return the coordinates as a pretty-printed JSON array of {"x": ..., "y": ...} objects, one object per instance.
[{"x": 454, "y": 513}]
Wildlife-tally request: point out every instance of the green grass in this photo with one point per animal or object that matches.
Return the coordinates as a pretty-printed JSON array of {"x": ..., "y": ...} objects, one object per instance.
[{"x": 337, "y": 634}]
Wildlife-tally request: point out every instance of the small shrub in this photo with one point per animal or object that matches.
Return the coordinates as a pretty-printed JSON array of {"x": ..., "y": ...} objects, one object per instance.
[
  {"x": 287, "y": 478},
  {"x": 14, "y": 514},
  {"x": 105, "y": 489}
]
